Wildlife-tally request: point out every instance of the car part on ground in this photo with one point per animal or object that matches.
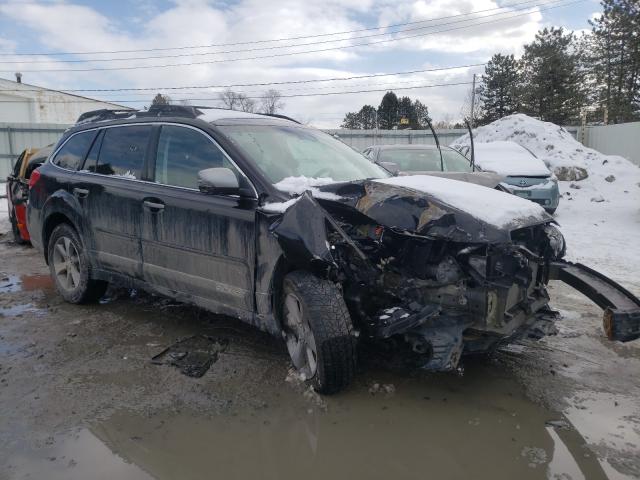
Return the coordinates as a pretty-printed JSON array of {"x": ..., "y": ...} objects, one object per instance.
[{"x": 430, "y": 268}]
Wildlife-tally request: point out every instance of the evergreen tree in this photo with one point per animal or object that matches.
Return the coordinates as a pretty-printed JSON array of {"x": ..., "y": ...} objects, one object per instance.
[
  {"x": 615, "y": 59},
  {"x": 388, "y": 111},
  {"x": 553, "y": 82},
  {"x": 367, "y": 117},
  {"x": 421, "y": 113},
  {"x": 499, "y": 90},
  {"x": 160, "y": 99}
]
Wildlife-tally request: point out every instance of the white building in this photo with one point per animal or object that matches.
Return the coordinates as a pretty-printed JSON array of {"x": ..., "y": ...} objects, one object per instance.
[{"x": 24, "y": 103}]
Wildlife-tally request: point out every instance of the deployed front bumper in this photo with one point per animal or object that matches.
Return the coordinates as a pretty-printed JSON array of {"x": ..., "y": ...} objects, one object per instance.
[{"x": 621, "y": 318}]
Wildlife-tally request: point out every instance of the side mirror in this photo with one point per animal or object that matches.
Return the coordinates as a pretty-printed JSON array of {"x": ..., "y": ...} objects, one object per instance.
[
  {"x": 391, "y": 167},
  {"x": 222, "y": 181}
]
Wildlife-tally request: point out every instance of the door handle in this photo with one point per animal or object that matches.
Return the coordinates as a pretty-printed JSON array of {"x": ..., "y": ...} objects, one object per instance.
[
  {"x": 153, "y": 207},
  {"x": 81, "y": 192}
]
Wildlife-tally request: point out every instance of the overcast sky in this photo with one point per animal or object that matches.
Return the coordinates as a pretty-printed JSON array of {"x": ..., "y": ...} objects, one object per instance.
[{"x": 99, "y": 26}]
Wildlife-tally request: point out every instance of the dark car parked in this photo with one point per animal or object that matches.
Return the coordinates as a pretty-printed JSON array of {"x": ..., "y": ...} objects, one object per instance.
[
  {"x": 18, "y": 189},
  {"x": 191, "y": 206},
  {"x": 430, "y": 160}
]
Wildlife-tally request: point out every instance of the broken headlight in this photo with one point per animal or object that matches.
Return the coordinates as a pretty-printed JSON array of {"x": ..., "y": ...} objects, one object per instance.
[{"x": 556, "y": 241}]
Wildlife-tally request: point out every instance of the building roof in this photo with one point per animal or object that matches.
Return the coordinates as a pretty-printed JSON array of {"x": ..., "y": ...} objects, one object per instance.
[{"x": 20, "y": 87}]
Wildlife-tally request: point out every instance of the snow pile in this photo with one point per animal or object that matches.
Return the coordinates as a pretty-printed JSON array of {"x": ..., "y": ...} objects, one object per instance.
[
  {"x": 489, "y": 205},
  {"x": 509, "y": 159},
  {"x": 301, "y": 184},
  {"x": 600, "y": 214},
  {"x": 549, "y": 142}
]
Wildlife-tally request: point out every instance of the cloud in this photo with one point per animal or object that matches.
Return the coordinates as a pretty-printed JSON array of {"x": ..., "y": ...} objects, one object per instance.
[{"x": 65, "y": 26}]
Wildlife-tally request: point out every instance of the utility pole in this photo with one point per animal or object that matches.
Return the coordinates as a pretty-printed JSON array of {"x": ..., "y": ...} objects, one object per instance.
[{"x": 473, "y": 100}]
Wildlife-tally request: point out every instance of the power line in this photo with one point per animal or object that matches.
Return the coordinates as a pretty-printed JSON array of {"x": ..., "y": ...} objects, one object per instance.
[
  {"x": 266, "y": 40},
  {"x": 277, "y": 47},
  {"x": 138, "y": 67},
  {"x": 258, "y": 84},
  {"x": 323, "y": 94}
]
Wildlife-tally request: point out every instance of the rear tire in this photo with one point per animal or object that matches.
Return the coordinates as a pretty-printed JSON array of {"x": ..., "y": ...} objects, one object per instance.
[
  {"x": 69, "y": 267},
  {"x": 318, "y": 332}
]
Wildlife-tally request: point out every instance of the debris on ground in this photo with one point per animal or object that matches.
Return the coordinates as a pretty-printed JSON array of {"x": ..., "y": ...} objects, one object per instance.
[
  {"x": 192, "y": 355},
  {"x": 387, "y": 388}
]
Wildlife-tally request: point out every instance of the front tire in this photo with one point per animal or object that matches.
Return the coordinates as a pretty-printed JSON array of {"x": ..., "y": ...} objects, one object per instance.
[
  {"x": 69, "y": 267},
  {"x": 318, "y": 332}
]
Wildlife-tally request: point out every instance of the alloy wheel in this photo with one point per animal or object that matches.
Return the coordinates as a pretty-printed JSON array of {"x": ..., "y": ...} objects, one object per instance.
[
  {"x": 301, "y": 343},
  {"x": 66, "y": 263}
]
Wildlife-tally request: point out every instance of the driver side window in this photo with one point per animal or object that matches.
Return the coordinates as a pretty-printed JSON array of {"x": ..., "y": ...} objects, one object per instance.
[{"x": 182, "y": 153}]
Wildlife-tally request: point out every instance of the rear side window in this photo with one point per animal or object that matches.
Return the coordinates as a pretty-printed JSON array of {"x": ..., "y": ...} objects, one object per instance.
[
  {"x": 122, "y": 151},
  {"x": 182, "y": 153},
  {"x": 72, "y": 153}
]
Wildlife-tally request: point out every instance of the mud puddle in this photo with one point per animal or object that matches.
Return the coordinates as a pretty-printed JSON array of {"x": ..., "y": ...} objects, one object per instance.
[{"x": 436, "y": 427}]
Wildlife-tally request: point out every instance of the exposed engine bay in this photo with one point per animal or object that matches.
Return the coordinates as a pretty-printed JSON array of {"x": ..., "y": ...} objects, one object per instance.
[{"x": 427, "y": 280}]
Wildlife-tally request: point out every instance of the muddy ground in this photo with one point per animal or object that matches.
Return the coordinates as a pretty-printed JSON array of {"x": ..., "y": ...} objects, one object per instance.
[{"x": 80, "y": 398}]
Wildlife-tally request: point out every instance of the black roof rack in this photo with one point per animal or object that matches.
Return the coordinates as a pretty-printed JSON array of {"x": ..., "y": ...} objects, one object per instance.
[
  {"x": 104, "y": 114},
  {"x": 277, "y": 115},
  {"x": 187, "y": 111}
]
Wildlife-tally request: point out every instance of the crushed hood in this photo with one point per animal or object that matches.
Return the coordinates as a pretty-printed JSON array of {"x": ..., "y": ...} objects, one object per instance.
[{"x": 439, "y": 207}]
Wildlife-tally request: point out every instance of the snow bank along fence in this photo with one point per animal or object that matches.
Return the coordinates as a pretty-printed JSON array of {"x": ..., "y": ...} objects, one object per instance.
[
  {"x": 15, "y": 137},
  {"x": 622, "y": 139}
]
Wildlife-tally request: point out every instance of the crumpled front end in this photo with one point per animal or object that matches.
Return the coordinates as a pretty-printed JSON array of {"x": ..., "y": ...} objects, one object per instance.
[{"x": 430, "y": 281}]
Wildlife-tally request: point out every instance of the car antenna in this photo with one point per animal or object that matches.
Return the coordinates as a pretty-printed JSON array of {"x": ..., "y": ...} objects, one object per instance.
[
  {"x": 473, "y": 156},
  {"x": 437, "y": 144}
]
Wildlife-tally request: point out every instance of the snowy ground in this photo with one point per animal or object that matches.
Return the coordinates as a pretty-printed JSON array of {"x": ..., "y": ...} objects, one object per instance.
[{"x": 599, "y": 215}]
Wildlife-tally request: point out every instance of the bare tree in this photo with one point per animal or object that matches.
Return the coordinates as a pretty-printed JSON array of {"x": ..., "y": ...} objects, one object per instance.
[
  {"x": 272, "y": 102},
  {"x": 229, "y": 99},
  {"x": 247, "y": 104}
]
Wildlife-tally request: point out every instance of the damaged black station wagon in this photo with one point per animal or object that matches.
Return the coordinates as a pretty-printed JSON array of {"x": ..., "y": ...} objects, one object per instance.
[{"x": 290, "y": 230}]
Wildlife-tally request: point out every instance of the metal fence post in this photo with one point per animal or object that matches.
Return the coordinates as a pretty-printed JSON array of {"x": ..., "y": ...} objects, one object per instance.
[{"x": 10, "y": 141}]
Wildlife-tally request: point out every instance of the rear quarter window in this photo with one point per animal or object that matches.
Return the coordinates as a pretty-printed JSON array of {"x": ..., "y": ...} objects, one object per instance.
[{"x": 72, "y": 153}]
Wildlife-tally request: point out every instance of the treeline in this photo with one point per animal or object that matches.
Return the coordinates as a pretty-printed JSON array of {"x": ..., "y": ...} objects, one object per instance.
[{"x": 393, "y": 112}]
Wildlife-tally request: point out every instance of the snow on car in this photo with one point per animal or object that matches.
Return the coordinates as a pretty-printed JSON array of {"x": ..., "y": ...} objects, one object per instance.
[{"x": 525, "y": 175}]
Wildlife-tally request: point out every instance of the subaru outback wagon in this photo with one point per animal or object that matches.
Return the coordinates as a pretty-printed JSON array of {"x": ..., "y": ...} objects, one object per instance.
[{"x": 290, "y": 230}]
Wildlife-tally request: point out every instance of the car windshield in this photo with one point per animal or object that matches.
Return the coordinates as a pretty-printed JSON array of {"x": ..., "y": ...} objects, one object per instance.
[
  {"x": 289, "y": 151},
  {"x": 425, "y": 160}
]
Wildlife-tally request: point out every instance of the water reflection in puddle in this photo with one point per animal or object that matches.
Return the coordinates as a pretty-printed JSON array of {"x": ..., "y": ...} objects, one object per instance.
[
  {"x": 478, "y": 427},
  {"x": 25, "y": 283},
  {"x": 16, "y": 310}
]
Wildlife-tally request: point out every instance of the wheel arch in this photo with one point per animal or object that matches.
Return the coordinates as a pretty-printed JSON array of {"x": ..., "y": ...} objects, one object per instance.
[{"x": 61, "y": 207}]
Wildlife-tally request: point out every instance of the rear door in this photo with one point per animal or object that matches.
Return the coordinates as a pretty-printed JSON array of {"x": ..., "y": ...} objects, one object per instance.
[
  {"x": 195, "y": 245},
  {"x": 111, "y": 192}
]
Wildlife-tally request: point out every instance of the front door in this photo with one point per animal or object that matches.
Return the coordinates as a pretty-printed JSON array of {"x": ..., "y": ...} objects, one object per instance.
[{"x": 197, "y": 246}]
